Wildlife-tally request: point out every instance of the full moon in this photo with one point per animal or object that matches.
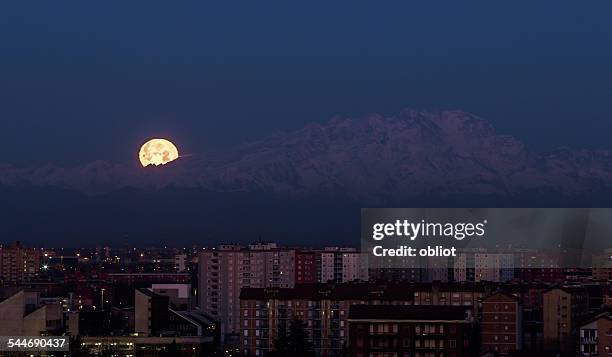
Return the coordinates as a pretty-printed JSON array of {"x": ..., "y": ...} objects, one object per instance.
[{"x": 157, "y": 152}]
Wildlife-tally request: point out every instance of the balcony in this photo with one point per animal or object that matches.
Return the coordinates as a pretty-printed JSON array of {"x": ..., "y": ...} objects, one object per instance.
[{"x": 589, "y": 340}]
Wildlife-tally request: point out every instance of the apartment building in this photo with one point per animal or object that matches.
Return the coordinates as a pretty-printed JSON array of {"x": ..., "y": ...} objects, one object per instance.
[
  {"x": 342, "y": 265},
  {"x": 596, "y": 336},
  {"x": 180, "y": 262},
  {"x": 323, "y": 307},
  {"x": 23, "y": 314},
  {"x": 452, "y": 294},
  {"x": 155, "y": 316},
  {"x": 501, "y": 324},
  {"x": 495, "y": 267},
  {"x": 18, "y": 264},
  {"x": 225, "y": 270},
  {"x": 407, "y": 331},
  {"x": 307, "y": 267},
  {"x": 564, "y": 306}
]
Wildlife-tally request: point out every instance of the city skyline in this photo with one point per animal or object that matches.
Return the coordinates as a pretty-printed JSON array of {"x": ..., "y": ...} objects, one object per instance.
[
  {"x": 320, "y": 179},
  {"x": 236, "y": 301}
]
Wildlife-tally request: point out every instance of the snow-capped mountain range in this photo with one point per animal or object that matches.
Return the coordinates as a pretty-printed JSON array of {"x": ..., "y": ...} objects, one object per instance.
[{"x": 377, "y": 159}]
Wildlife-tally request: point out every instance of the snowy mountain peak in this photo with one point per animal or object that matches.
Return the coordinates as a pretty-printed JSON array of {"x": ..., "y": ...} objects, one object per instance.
[{"x": 377, "y": 158}]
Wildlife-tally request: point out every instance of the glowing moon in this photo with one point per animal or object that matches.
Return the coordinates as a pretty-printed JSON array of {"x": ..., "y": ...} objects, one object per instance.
[{"x": 157, "y": 152}]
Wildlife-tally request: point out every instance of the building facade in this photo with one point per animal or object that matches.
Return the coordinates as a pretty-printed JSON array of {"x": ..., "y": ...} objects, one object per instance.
[
  {"x": 596, "y": 336},
  {"x": 18, "y": 264},
  {"x": 342, "y": 265},
  {"x": 324, "y": 308},
  {"x": 564, "y": 306},
  {"x": 23, "y": 314},
  {"x": 411, "y": 331},
  {"x": 224, "y": 271},
  {"x": 155, "y": 315},
  {"x": 151, "y": 313},
  {"x": 501, "y": 324},
  {"x": 307, "y": 267}
]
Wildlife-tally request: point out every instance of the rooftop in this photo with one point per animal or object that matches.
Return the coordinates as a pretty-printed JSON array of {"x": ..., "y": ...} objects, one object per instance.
[
  {"x": 410, "y": 313},
  {"x": 390, "y": 291}
]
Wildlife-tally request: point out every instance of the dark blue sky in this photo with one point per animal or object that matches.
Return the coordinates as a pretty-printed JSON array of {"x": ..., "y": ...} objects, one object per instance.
[{"x": 89, "y": 80}]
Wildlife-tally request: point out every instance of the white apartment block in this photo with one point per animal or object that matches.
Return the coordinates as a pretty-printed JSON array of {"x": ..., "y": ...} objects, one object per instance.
[
  {"x": 342, "y": 265},
  {"x": 493, "y": 267},
  {"x": 223, "y": 271}
]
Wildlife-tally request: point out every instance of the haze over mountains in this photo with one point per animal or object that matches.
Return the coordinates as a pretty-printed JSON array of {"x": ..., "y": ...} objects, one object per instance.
[{"x": 323, "y": 171}]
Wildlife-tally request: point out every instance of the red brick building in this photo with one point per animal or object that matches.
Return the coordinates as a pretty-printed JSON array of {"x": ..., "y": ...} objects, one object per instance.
[
  {"x": 596, "y": 336},
  {"x": 501, "y": 324},
  {"x": 307, "y": 267},
  {"x": 410, "y": 331},
  {"x": 325, "y": 308}
]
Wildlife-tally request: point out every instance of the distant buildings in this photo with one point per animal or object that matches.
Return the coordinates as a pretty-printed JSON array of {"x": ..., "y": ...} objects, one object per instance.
[
  {"x": 18, "y": 264},
  {"x": 180, "y": 262},
  {"x": 473, "y": 265},
  {"x": 602, "y": 265},
  {"x": 140, "y": 300},
  {"x": 129, "y": 346},
  {"x": 148, "y": 278},
  {"x": 542, "y": 266},
  {"x": 341, "y": 265},
  {"x": 495, "y": 267}
]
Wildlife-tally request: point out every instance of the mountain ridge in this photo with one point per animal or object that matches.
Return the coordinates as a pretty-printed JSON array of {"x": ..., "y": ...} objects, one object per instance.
[{"x": 376, "y": 159}]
